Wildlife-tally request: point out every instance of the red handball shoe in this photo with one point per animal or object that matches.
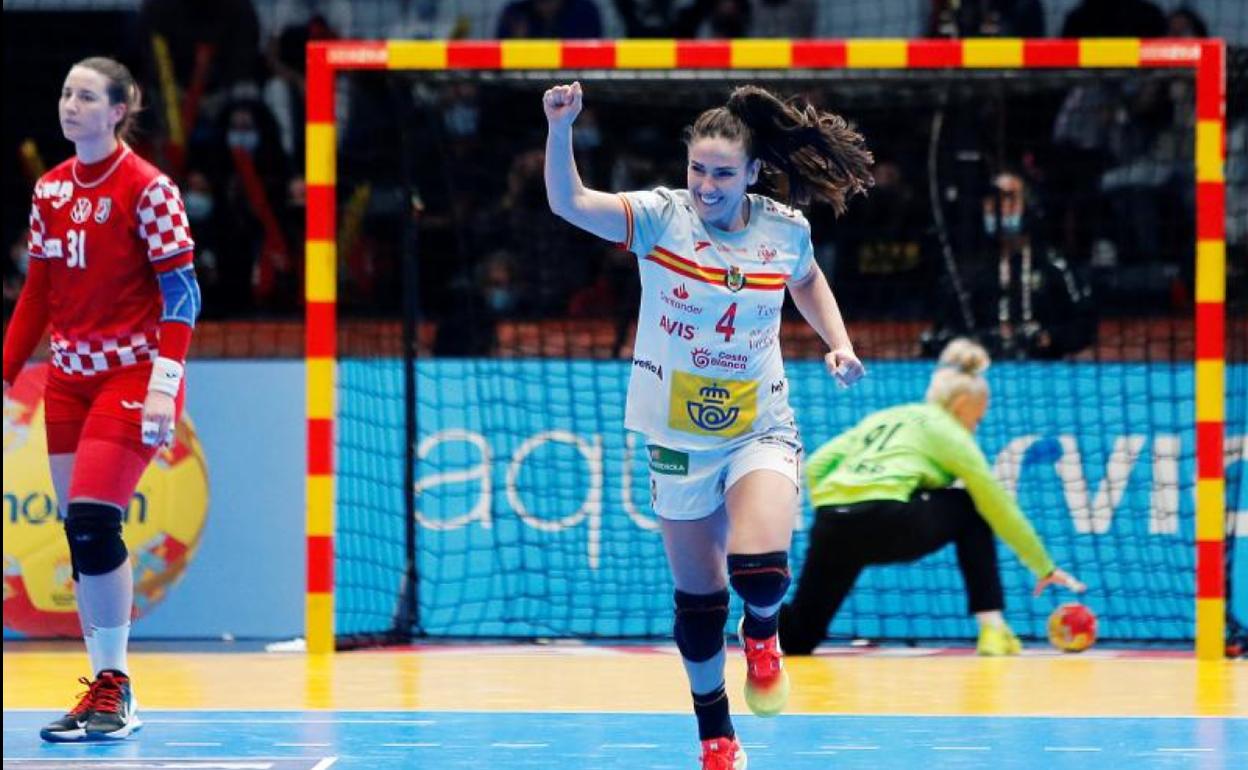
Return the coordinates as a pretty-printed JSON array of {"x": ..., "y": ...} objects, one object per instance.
[
  {"x": 766, "y": 681},
  {"x": 723, "y": 754}
]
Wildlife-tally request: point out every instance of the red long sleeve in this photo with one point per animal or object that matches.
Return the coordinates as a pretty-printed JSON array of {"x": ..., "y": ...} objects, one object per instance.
[
  {"x": 29, "y": 321},
  {"x": 175, "y": 340}
]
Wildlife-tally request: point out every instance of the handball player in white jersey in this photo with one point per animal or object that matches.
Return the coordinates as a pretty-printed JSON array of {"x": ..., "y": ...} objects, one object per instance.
[{"x": 707, "y": 388}]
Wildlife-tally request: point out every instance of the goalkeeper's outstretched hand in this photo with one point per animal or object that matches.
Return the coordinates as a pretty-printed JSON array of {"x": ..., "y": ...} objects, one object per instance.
[{"x": 1062, "y": 578}]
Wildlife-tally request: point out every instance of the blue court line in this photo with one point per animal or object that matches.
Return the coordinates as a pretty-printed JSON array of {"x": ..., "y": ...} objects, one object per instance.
[{"x": 360, "y": 740}]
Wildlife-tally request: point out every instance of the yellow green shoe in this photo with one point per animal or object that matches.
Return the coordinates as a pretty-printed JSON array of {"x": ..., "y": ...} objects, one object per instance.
[
  {"x": 766, "y": 681},
  {"x": 996, "y": 641}
]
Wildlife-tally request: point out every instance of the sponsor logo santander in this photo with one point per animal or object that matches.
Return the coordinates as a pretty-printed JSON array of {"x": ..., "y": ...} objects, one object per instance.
[{"x": 677, "y": 300}]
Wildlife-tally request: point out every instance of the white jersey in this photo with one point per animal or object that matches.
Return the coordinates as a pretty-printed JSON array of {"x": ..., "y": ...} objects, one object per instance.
[{"x": 707, "y": 371}]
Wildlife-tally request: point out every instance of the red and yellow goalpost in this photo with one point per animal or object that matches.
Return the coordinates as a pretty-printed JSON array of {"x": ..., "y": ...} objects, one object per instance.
[{"x": 1206, "y": 57}]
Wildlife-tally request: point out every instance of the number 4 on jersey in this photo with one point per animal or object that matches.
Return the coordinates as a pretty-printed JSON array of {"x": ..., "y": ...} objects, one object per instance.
[{"x": 725, "y": 324}]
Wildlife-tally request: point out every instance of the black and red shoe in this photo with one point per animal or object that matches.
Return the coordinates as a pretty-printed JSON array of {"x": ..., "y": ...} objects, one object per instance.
[
  {"x": 115, "y": 713},
  {"x": 72, "y": 726}
]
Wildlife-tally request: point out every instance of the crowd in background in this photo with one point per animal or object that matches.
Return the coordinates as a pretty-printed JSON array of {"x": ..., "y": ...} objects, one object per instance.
[{"x": 423, "y": 167}]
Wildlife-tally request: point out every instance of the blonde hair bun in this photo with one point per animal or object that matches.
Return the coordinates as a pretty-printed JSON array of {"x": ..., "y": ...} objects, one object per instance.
[{"x": 966, "y": 356}]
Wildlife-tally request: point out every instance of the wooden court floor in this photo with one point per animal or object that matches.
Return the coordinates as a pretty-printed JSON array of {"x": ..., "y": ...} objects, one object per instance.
[{"x": 568, "y": 707}]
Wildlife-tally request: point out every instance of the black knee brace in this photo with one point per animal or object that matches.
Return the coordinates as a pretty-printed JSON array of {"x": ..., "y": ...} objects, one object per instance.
[
  {"x": 94, "y": 534},
  {"x": 699, "y": 627},
  {"x": 761, "y": 579}
]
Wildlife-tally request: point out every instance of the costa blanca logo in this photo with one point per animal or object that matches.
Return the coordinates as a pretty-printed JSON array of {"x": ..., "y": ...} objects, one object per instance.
[
  {"x": 103, "y": 208},
  {"x": 768, "y": 311},
  {"x": 766, "y": 253},
  {"x": 709, "y": 413},
  {"x": 82, "y": 211},
  {"x": 680, "y": 292},
  {"x": 735, "y": 279},
  {"x": 735, "y": 362}
]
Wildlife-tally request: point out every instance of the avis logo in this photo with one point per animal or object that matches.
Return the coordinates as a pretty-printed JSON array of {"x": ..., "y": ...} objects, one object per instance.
[
  {"x": 709, "y": 414},
  {"x": 677, "y": 328},
  {"x": 701, "y": 245},
  {"x": 680, "y": 292}
]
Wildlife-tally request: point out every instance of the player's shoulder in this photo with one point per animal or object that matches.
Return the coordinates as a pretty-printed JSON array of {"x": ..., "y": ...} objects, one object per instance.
[
  {"x": 142, "y": 172},
  {"x": 55, "y": 184},
  {"x": 62, "y": 170},
  {"x": 670, "y": 204},
  {"x": 782, "y": 217},
  {"x": 937, "y": 420},
  {"x": 913, "y": 411},
  {"x": 677, "y": 198}
]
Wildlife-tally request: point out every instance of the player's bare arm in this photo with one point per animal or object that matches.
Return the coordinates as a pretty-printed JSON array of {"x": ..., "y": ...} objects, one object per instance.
[{"x": 591, "y": 210}]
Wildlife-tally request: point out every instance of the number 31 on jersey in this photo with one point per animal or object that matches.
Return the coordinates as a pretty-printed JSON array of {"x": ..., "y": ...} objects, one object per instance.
[{"x": 77, "y": 242}]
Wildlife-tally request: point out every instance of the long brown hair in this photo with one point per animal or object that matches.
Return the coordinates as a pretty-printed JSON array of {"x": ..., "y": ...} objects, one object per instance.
[
  {"x": 806, "y": 154},
  {"x": 121, "y": 89}
]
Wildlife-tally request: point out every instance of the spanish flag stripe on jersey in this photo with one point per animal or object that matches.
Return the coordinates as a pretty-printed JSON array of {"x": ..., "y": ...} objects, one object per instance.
[
  {"x": 715, "y": 275},
  {"x": 718, "y": 271}
]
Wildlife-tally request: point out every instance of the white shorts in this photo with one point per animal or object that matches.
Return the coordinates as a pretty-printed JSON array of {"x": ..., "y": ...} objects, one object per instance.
[{"x": 686, "y": 486}]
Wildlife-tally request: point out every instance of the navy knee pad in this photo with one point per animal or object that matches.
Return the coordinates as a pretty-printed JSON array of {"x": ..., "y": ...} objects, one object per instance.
[
  {"x": 94, "y": 534},
  {"x": 699, "y": 627},
  {"x": 761, "y": 579}
]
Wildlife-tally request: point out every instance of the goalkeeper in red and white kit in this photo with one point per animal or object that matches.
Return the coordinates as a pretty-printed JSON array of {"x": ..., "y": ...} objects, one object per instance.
[{"x": 111, "y": 273}]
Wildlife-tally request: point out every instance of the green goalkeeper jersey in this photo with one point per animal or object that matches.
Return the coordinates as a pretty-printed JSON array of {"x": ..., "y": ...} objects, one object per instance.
[{"x": 895, "y": 451}]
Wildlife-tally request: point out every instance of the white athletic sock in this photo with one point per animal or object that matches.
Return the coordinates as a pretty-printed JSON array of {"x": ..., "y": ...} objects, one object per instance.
[
  {"x": 93, "y": 651},
  {"x": 106, "y": 601},
  {"x": 111, "y": 646},
  {"x": 990, "y": 618}
]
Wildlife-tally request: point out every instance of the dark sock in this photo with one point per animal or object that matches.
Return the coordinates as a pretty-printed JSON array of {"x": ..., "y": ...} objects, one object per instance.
[
  {"x": 760, "y": 628},
  {"x": 711, "y": 710}
]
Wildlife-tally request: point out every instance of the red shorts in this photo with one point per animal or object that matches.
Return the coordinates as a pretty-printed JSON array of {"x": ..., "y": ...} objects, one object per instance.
[{"x": 106, "y": 406}]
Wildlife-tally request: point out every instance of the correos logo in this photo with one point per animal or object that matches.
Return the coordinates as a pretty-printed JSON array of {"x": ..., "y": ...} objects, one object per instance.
[{"x": 163, "y": 522}]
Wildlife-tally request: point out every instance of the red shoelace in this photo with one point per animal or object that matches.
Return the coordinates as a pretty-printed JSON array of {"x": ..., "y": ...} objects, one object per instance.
[
  {"x": 108, "y": 694},
  {"x": 86, "y": 699}
]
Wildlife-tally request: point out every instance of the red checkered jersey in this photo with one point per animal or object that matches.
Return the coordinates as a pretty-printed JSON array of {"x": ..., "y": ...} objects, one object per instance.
[{"x": 105, "y": 230}]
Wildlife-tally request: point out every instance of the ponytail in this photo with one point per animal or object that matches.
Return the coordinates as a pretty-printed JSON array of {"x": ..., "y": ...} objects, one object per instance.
[{"x": 806, "y": 154}]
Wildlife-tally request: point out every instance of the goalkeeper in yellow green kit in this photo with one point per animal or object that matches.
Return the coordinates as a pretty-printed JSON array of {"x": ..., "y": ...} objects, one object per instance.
[{"x": 882, "y": 495}]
